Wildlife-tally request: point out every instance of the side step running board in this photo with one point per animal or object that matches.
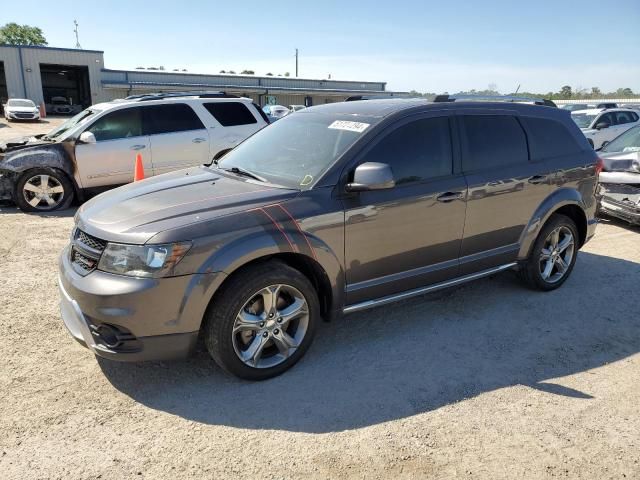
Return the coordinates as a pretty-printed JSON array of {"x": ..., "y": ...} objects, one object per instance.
[{"x": 356, "y": 307}]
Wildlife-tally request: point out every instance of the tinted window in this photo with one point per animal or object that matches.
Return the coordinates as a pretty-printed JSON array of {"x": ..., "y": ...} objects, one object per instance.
[
  {"x": 123, "y": 123},
  {"x": 548, "y": 138},
  {"x": 606, "y": 118},
  {"x": 624, "y": 117},
  {"x": 416, "y": 151},
  {"x": 173, "y": 117},
  {"x": 230, "y": 114},
  {"x": 492, "y": 141}
]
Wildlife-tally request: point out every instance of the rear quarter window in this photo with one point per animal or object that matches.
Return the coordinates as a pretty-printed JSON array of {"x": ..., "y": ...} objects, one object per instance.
[
  {"x": 549, "y": 138},
  {"x": 491, "y": 141},
  {"x": 230, "y": 114}
]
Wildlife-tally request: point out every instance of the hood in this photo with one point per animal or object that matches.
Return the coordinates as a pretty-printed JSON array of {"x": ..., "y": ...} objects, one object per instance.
[
  {"x": 138, "y": 211},
  {"x": 22, "y": 142},
  {"x": 21, "y": 109},
  {"x": 621, "y": 161}
]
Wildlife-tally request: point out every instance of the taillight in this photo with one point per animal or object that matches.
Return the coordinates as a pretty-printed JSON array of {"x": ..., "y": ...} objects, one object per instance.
[{"x": 599, "y": 166}]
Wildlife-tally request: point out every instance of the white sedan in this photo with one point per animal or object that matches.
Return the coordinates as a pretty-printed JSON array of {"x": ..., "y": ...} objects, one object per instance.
[{"x": 21, "y": 109}]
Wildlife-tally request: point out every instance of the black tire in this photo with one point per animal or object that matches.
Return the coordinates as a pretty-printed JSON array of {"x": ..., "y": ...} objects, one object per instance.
[
  {"x": 56, "y": 176},
  {"x": 530, "y": 269},
  {"x": 235, "y": 293}
]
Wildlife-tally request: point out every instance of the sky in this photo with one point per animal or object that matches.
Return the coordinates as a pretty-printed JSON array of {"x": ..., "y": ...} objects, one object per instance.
[{"x": 428, "y": 46}]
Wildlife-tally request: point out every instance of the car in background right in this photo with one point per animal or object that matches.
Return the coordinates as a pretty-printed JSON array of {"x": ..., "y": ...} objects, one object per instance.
[
  {"x": 620, "y": 177},
  {"x": 275, "y": 112},
  {"x": 603, "y": 125},
  {"x": 296, "y": 108}
]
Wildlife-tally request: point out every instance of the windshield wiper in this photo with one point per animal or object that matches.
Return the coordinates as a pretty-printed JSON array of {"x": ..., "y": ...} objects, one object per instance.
[{"x": 244, "y": 173}]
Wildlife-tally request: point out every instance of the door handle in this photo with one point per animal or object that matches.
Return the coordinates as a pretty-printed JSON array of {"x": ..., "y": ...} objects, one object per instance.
[
  {"x": 449, "y": 197},
  {"x": 537, "y": 179},
  {"x": 138, "y": 147},
  {"x": 198, "y": 140}
]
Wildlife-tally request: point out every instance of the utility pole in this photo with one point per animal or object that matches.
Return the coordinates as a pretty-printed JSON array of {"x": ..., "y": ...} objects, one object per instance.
[
  {"x": 75, "y": 22},
  {"x": 296, "y": 62}
]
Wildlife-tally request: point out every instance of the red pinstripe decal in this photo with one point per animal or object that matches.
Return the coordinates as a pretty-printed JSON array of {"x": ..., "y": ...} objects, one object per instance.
[
  {"x": 299, "y": 229},
  {"x": 278, "y": 227}
]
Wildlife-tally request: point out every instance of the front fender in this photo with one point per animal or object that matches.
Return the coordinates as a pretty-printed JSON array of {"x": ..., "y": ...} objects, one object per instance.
[
  {"x": 53, "y": 156},
  {"x": 556, "y": 200}
]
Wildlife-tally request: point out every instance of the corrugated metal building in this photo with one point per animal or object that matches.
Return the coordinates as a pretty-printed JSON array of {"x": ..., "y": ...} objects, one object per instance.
[{"x": 44, "y": 74}]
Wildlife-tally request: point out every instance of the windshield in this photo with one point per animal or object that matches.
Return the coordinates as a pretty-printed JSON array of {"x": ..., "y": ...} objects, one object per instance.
[
  {"x": 629, "y": 141},
  {"x": 21, "y": 103},
  {"x": 75, "y": 121},
  {"x": 297, "y": 150},
  {"x": 583, "y": 120}
]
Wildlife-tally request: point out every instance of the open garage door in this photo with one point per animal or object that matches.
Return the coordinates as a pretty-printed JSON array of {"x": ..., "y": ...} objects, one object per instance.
[
  {"x": 65, "y": 88},
  {"x": 4, "y": 95}
]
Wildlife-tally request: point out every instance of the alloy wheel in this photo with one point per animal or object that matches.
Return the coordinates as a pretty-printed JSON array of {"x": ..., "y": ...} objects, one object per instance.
[
  {"x": 270, "y": 326},
  {"x": 556, "y": 254},
  {"x": 43, "y": 192}
]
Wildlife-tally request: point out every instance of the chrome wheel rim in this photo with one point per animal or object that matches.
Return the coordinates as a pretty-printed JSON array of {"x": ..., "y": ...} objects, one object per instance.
[
  {"x": 43, "y": 192},
  {"x": 270, "y": 326},
  {"x": 556, "y": 254}
]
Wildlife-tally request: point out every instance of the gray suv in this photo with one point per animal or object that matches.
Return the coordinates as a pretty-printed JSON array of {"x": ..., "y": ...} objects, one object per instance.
[{"x": 333, "y": 210}]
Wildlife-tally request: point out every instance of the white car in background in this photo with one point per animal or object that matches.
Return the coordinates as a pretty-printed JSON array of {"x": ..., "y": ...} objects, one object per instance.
[
  {"x": 275, "y": 112},
  {"x": 21, "y": 109},
  {"x": 603, "y": 125}
]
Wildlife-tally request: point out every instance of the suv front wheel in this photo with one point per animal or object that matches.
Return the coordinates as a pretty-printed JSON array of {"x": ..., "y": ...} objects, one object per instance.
[
  {"x": 553, "y": 254},
  {"x": 262, "y": 321},
  {"x": 43, "y": 189}
]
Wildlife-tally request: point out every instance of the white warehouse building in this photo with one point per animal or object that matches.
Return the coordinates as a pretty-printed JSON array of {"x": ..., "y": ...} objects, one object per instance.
[{"x": 79, "y": 78}]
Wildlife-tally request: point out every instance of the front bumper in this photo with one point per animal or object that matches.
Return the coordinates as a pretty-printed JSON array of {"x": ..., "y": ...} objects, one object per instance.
[
  {"x": 23, "y": 116},
  {"x": 620, "y": 201},
  {"x": 134, "y": 319}
]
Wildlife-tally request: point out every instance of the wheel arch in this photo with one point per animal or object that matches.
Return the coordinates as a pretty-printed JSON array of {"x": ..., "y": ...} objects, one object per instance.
[{"x": 565, "y": 201}]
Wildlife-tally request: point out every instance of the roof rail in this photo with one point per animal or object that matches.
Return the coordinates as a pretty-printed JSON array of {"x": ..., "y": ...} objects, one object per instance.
[
  {"x": 162, "y": 95},
  {"x": 492, "y": 98},
  {"x": 354, "y": 98}
]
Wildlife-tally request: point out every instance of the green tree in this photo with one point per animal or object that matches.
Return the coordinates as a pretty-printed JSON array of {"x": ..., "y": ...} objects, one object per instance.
[
  {"x": 624, "y": 92},
  {"x": 269, "y": 74},
  {"x": 14, "y": 34},
  {"x": 566, "y": 92},
  {"x": 222, "y": 71},
  {"x": 596, "y": 92},
  {"x": 247, "y": 72},
  {"x": 286, "y": 74}
]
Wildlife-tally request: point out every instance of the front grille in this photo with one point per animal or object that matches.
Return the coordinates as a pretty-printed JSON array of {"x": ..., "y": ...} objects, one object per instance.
[
  {"x": 85, "y": 252},
  {"x": 24, "y": 115},
  {"x": 90, "y": 241}
]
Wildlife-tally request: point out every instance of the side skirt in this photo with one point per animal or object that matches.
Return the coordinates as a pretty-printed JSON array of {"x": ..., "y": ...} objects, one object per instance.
[{"x": 431, "y": 288}]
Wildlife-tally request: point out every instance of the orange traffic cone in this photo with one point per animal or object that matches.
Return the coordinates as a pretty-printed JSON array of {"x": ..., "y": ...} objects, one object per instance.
[{"x": 138, "y": 173}]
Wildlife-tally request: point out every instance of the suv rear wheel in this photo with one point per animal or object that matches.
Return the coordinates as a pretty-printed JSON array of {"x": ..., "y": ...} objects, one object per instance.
[
  {"x": 262, "y": 322},
  {"x": 42, "y": 190},
  {"x": 553, "y": 254}
]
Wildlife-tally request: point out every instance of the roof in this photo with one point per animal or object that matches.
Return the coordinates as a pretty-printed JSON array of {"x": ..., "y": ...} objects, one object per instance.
[
  {"x": 595, "y": 111},
  {"x": 38, "y": 47}
]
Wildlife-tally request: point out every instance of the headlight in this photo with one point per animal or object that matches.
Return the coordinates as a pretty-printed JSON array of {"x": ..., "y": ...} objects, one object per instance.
[{"x": 142, "y": 260}]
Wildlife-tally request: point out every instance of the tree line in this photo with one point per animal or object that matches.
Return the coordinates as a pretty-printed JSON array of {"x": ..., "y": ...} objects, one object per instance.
[{"x": 566, "y": 92}]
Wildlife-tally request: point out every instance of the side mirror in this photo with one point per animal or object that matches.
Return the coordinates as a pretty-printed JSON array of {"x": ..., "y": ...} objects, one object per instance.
[
  {"x": 371, "y": 176},
  {"x": 602, "y": 125},
  {"x": 87, "y": 137}
]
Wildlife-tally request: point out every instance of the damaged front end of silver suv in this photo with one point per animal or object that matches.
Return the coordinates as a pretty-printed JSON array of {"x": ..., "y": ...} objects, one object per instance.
[{"x": 620, "y": 185}]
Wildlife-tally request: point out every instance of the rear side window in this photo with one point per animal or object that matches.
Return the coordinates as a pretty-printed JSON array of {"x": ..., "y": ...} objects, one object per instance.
[
  {"x": 417, "y": 151},
  {"x": 170, "y": 118},
  {"x": 548, "y": 138},
  {"x": 606, "y": 118},
  {"x": 230, "y": 114},
  {"x": 625, "y": 117},
  {"x": 492, "y": 141},
  {"x": 116, "y": 125}
]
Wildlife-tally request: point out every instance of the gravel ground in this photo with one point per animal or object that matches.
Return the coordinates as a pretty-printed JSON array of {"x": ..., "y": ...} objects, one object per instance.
[{"x": 489, "y": 380}]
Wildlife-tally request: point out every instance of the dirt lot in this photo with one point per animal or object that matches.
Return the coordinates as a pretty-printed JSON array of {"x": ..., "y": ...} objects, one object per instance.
[{"x": 490, "y": 380}]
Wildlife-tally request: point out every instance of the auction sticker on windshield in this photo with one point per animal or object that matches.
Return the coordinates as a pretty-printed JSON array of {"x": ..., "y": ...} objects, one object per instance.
[{"x": 348, "y": 125}]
